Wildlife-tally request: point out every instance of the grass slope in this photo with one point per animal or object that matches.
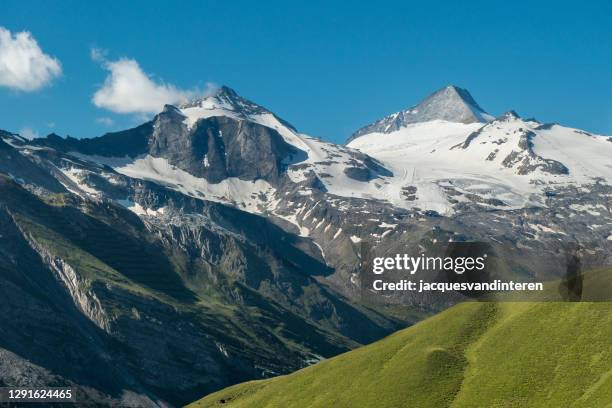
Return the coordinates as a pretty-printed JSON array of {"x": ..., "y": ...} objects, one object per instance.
[{"x": 530, "y": 354}]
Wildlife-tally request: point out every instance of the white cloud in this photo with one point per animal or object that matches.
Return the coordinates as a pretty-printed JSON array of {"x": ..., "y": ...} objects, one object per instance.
[
  {"x": 98, "y": 54},
  {"x": 23, "y": 65},
  {"x": 128, "y": 89},
  {"x": 29, "y": 133},
  {"x": 105, "y": 121}
]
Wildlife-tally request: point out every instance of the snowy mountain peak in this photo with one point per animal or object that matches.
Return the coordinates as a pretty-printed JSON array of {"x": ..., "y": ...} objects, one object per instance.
[
  {"x": 456, "y": 95},
  {"x": 226, "y": 102},
  {"x": 225, "y": 98},
  {"x": 452, "y": 104},
  {"x": 226, "y": 91},
  {"x": 510, "y": 115},
  {"x": 170, "y": 109}
]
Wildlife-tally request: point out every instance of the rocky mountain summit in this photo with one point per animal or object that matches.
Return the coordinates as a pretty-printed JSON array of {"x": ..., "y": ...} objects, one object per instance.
[
  {"x": 452, "y": 104},
  {"x": 216, "y": 243}
]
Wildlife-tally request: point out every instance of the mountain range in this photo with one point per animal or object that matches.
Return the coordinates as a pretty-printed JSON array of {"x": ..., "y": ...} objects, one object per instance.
[{"x": 216, "y": 243}]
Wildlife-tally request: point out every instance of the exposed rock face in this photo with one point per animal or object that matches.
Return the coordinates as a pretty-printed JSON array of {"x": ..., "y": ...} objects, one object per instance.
[
  {"x": 220, "y": 147},
  {"x": 130, "y": 142},
  {"x": 363, "y": 168},
  {"x": 521, "y": 156},
  {"x": 452, "y": 104},
  {"x": 78, "y": 287},
  {"x": 25, "y": 168}
]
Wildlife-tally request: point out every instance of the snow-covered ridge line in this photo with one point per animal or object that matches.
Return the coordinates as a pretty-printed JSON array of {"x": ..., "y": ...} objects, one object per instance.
[
  {"x": 246, "y": 195},
  {"x": 412, "y": 162},
  {"x": 505, "y": 163}
]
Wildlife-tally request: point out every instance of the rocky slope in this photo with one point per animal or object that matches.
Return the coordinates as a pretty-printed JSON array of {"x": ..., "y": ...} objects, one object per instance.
[{"x": 166, "y": 308}]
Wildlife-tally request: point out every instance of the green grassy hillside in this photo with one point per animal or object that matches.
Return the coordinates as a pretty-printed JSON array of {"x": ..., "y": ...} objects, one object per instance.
[{"x": 473, "y": 355}]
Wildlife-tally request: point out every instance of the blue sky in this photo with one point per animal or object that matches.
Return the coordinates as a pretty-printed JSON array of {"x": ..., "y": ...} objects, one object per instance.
[{"x": 326, "y": 68}]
